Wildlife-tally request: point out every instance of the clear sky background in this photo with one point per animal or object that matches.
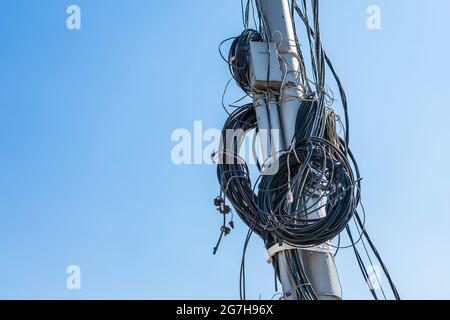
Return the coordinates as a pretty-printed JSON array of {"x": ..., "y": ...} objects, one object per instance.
[{"x": 86, "y": 176}]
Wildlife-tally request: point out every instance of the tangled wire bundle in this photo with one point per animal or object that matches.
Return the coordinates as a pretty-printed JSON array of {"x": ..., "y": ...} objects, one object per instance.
[
  {"x": 311, "y": 198},
  {"x": 312, "y": 178}
]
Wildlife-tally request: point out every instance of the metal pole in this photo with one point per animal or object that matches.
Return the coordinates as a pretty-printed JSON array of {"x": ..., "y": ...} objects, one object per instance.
[
  {"x": 278, "y": 23},
  {"x": 319, "y": 266}
]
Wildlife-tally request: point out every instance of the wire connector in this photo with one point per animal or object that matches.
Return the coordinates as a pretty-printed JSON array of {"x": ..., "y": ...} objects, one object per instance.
[
  {"x": 224, "y": 209},
  {"x": 218, "y": 201}
]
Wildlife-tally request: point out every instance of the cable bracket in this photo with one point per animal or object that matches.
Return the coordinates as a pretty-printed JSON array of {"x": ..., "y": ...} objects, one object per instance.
[{"x": 277, "y": 248}]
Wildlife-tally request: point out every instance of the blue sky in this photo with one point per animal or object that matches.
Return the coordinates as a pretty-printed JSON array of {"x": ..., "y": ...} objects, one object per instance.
[{"x": 86, "y": 176}]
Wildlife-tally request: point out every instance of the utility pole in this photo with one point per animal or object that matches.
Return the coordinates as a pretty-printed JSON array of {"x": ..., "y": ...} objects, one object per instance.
[{"x": 318, "y": 262}]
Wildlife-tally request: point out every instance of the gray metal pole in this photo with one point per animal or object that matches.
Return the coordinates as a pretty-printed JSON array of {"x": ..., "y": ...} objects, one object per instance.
[
  {"x": 319, "y": 266},
  {"x": 278, "y": 23}
]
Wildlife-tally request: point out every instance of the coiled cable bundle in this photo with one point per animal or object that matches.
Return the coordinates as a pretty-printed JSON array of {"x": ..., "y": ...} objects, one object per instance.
[
  {"x": 311, "y": 198},
  {"x": 233, "y": 172},
  {"x": 313, "y": 176}
]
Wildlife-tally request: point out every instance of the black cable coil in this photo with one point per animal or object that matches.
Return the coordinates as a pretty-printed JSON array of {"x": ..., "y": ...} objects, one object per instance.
[
  {"x": 314, "y": 178},
  {"x": 313, "y": 175}
]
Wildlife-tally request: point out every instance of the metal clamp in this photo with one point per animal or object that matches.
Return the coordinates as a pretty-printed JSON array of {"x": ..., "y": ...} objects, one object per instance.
[{"x": 275, "y": 249}]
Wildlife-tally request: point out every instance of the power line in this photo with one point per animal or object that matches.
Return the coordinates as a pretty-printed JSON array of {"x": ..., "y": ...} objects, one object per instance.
[{"x": 317, "y": 171}]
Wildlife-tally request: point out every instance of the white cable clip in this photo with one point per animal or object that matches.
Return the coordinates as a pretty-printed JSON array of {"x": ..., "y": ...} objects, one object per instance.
[{"x": 277, "y": 248}]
